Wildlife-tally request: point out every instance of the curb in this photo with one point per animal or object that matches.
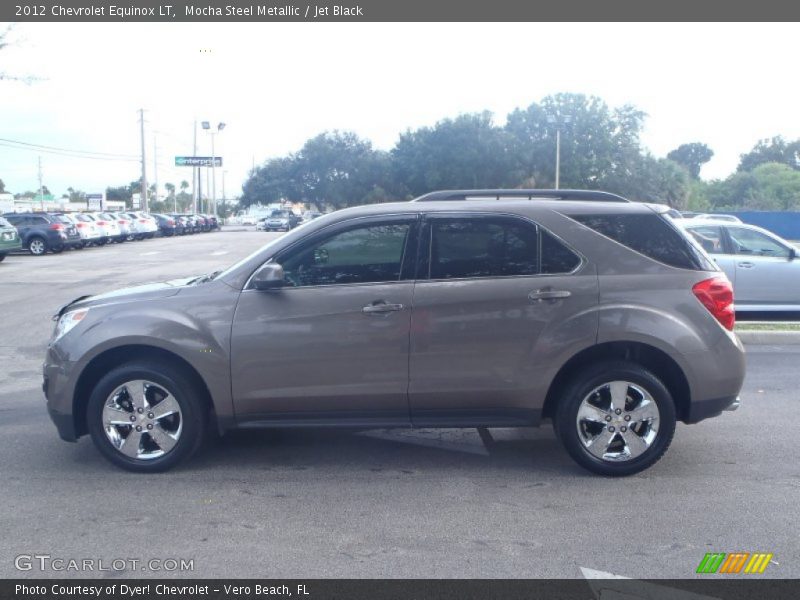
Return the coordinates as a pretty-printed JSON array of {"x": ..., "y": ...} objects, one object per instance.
[{"x": 776, "y": 338}]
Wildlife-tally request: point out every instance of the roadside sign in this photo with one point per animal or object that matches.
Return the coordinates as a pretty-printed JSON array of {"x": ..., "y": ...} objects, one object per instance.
[
  {"x": 136, "y": 201},
  {"x": 198, "y": 161},
  {"x": 95, "y": 201}
]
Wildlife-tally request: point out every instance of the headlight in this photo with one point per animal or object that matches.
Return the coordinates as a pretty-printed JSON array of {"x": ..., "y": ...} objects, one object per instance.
[{"x": 67, "y": 322}]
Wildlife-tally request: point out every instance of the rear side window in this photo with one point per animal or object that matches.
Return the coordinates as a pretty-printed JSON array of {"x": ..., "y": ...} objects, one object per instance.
[
  {"x": 648, "y": 234},
  {"x": 486, "y": 247}
]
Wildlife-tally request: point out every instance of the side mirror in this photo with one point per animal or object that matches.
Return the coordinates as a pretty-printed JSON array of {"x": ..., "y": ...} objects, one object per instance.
[
  {"x": 269, "y": 277},
  {"x": 792, "y": 253}
]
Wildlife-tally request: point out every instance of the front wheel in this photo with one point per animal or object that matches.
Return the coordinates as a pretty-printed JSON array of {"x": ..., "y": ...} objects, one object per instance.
[
  {"x": 146, "y": 417},
  {"x": 616, "y": 418}
]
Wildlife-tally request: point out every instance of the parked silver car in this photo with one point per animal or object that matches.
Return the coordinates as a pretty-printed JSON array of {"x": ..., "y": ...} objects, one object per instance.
[
  {"x": 763, "y": 267},
  {"x": 490, "y": 308}
]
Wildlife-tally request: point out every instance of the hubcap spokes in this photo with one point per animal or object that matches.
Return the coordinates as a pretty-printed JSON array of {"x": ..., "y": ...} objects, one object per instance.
[
  {"x": 618, "y": 421},
  {"x": 142, "y": 419}
]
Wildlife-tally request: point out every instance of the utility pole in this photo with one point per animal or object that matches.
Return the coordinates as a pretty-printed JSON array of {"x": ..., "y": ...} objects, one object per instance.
[
  {"x": 558, "y": 155},
  {"x": 144, "y": 163},
  {"x": 155, "y": 161},
  {"x": 41, "y": 187},
  {"x": 195, "y": 174},
  {"x": 213, "y": 177}
]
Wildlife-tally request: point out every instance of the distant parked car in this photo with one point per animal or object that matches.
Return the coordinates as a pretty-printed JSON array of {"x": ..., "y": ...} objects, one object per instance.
[
  {"x": 763, "y": 267},
  {"x": 166, "y": 224},
  {"x": 248, "y": 220},
  {"x": 182, "y": 224},
  {"x": 9, "y": 238},
  {"x": 109, "y": 228},
  {"x": 124, "y": 224},
  {"x": 281, "y": 220},
  {"x": 715, "y": 217},
  {"x": 87, "y": 229},
  {"x": 310, "y": 215},
  {"x": 41, "y": 232}
]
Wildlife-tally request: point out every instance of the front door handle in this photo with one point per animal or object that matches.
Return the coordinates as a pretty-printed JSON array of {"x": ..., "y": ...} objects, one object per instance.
[
  {"x": 381, "y": 307},
  {"x": 539, "y": 295},
  {"x": 746, "y": 265}
]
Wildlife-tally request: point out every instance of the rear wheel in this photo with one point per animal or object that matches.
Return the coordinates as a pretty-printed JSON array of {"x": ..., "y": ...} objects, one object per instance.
[
  {"x": 616, "y": 418},
  {"x": 146, "y": 417},
  {"x": 37, "y": 246},
  {"x": 2, "y": 257}
]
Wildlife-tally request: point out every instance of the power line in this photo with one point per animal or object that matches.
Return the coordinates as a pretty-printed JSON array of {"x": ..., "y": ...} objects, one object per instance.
[
  {"x": 59, "y": 153},
  {"x": 56, "y": 148}
]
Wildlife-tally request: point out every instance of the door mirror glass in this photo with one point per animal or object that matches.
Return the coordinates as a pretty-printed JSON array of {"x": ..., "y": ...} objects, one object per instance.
[{"x": 269, "y": 277}]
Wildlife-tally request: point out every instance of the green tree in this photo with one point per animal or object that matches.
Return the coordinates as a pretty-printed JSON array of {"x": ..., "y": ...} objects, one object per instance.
[
  {"x": 597, "y": 143},
  {"x": 774, "y": 150},
  {"x": 466, "y": 152},
  {"x": 692, "y": 157}
]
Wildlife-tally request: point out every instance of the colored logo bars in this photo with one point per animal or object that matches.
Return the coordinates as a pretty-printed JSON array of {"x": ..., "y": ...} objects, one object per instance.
[{"x": 735, "y": 562}]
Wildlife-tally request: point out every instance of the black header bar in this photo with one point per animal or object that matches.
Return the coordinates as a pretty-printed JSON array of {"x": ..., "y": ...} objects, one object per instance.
[{"x": 365, "y": 11}]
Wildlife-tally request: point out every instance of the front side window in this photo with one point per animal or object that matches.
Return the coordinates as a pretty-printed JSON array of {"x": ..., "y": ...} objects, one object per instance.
[
  {"x": 482, "y": 247},
  {"x": 367, "y": 254},
  {"x": 755, "y": 243}
]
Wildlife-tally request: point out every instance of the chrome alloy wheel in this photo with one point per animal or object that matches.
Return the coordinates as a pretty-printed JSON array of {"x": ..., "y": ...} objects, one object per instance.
[
  {"x": 142, "y": 419},
  {"x": 618, "y": 421},
  {"x": 37, "y": 247}
]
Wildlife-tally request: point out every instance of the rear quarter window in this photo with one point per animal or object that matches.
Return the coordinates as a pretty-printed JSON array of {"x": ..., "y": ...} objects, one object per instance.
[{"x": 651, "y": 235}]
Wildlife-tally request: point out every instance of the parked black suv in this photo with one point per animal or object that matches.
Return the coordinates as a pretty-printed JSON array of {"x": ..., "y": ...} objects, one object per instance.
[{"x": 41, "y": 232}]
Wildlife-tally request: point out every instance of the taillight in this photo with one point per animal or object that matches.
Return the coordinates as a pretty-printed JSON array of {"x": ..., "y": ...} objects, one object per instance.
[
  {"x": 171, "y": 223},
  {"x": 57, "y": 227},
  {"x": 123, "y": 222},
  {"x": 101, "y": 222},
  {"x": 716, "y": 294},
  {"x": 80, "y": 225},
  {"x": 142, "y": 221}
]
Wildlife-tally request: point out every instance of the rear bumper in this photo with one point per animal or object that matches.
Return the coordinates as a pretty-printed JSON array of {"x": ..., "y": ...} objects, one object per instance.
[{"x": 699, "y": 411}]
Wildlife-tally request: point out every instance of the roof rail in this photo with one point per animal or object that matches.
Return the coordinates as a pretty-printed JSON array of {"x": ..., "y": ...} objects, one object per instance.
[{"x": 589, "y": 195}]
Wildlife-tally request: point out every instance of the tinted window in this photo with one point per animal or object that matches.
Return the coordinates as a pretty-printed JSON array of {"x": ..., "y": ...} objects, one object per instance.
[
  {"x": 14, "y": 220},
  {"x": 37, "y": 221},
  {"x": 4, "y": 223},
  {"x": 484, "y": 247},
  {"x": 755, "y": 243},
  {"x": 710, "y": 238},
  {"x": 648, "y": 234},
  {"x": 64, "y": 219},
  {"x": 556, "y": 257},
  {"x": 371, "y": 253}
]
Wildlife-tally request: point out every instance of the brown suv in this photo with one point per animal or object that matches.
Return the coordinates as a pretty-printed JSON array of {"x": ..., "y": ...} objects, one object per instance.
[{"x": 460, "y": 309}]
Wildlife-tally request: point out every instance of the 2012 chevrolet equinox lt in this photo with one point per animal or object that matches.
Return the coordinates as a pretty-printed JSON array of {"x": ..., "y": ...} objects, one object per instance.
[{"x": 479, "y": 308}]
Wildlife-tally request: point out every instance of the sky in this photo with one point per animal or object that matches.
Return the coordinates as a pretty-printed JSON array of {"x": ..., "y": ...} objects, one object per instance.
[{"x": 275, "y": 85}]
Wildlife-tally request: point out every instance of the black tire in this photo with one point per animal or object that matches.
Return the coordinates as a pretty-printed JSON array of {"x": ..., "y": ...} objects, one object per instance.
[
  {"x": 57, "y": 249},
  {"x": 180, "y": 386},
  {"x": 2, "y": 257},
  {"x": 590, "y": 379},
  {"x": 80, "y": 246},
  {"x": 37, "y": 245}
]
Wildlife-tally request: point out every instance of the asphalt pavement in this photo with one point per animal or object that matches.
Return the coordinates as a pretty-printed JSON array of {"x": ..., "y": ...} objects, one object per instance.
[{"x": 425, "y": 503}]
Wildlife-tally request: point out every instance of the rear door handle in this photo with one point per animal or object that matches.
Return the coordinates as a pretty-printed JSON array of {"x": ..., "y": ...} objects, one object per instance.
[
  {"x": 746, "y": 265},
  {"x": 381, "y": 307},
  {"x": 539, "y": 295}
]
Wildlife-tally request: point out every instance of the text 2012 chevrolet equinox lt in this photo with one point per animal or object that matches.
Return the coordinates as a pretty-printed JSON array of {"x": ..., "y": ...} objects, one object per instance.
[{"x": 495, "y": 308}]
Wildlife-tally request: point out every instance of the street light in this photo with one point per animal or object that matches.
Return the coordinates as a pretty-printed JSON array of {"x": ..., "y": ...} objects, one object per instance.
[
  {"x": 207, "y": 126},
  {"x": 558, "y": 121}
]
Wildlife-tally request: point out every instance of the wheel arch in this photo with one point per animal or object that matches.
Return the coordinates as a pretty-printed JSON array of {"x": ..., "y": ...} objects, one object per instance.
[
  {"x": 113, "y": 357},
  {"x": 654, "y": 360}
]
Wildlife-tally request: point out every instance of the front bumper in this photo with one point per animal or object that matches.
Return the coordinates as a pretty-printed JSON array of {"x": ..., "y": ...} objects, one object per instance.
[{"x": 58, "y": 393}]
